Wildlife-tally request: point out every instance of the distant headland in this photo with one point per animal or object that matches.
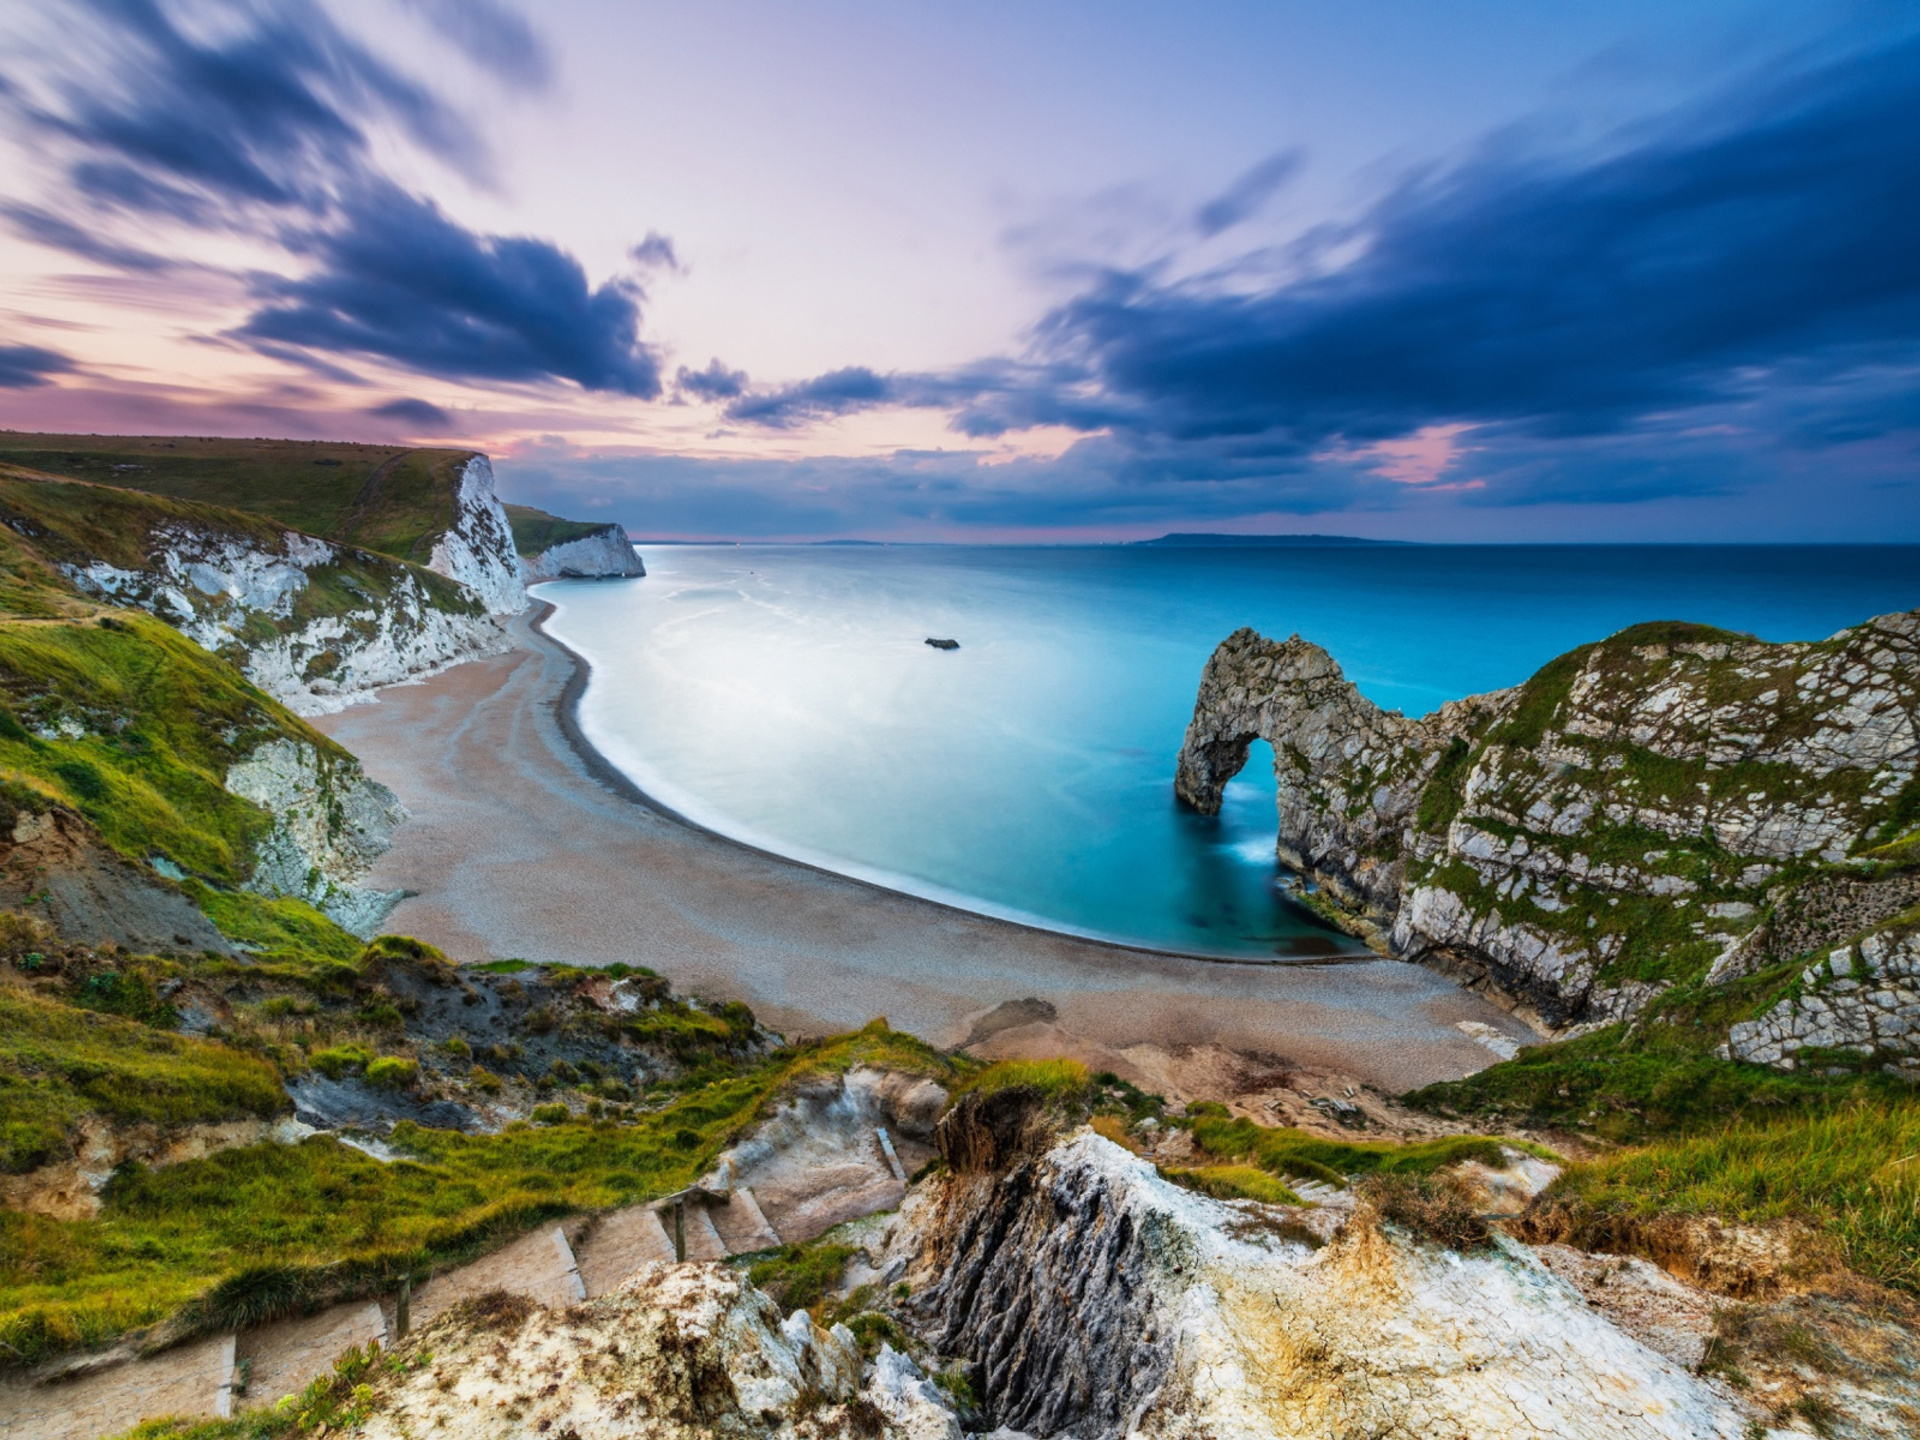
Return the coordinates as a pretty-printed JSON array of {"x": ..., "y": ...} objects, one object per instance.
[{"x": 1211, "y": 540}]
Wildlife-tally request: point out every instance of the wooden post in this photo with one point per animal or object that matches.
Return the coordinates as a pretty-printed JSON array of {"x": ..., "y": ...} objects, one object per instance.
[
  {"x": 680, "y": 1229},
  {"x": 403, "y": 1309}
]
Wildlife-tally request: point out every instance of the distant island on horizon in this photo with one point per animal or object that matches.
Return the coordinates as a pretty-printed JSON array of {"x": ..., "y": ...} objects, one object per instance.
[{"x": 1207, "y": 539}]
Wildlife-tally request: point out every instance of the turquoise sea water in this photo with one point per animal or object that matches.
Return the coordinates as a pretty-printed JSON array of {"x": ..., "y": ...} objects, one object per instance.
[{"x": 784, "y": 695}]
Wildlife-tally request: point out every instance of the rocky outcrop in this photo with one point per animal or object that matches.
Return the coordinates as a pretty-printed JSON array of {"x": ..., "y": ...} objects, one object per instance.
[
  {"x": 1859, "y": 1002},
  {"x": 1095, "y": 1299},
  {"x": 677, "y": 1351},
  {"x": 476, "y": 550},
  {"x": 605, "y": 554},
  {"x": 330, "y": 824},
  {"x": 1624, "y": 820},
  {"x": 55, "y": 862},
  {"x": 316, "y": 625},
  {"x": 1351, "y": 774},
  {"x": 70, "y": 1189}
]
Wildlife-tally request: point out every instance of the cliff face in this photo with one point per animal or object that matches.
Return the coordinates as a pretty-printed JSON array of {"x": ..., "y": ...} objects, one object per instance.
[
  {"x": 476, "y": 548},
  {"x": 1095, "y": 1299},
  {"x": 330, "y": 823},
  {"x": 1670, "y": 803},
  {"x": 605, "y": 555},
  {"x": 314, "y": 625},
  {"x": 555, "y": 549}
]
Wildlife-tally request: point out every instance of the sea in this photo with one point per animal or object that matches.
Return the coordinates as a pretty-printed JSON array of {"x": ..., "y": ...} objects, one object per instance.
[{"x": 785, "y": 696}]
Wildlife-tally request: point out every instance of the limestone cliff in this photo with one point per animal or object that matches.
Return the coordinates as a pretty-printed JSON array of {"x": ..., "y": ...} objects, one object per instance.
[
  {"x": 313, "y": 624},
  {"x": 606, "y": 555},
  {"x": 1670, "y": 803},
  {"x": 555, "y": 549},
  {"x": 1092, "y": 1298},
  {"x": 476, "y": 548},
  {"x": 330, "y": 823}
]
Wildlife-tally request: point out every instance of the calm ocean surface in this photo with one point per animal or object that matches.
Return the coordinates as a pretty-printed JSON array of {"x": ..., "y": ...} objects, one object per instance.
[{"x": 783, "y": 695}]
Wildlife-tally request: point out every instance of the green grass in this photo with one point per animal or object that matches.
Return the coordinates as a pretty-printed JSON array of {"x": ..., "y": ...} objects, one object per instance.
[
  {"x": 1234, "y": 1182},
  {"x": 59, "y": 1064},
  {"x": 387, "y": 498},
  {"x": 535, "y": 530},
  {"x": 162, "y": 721},
  {"x": 260, "y": 1230},
  {"x": 799, "y": 1277},
  {"x": 1304, "y": 1156},
  {"x": 1055, "y": 1080},
  {"x": 1851, "y": 1172},
  {"x": 284, "y": 933},
  {"x": 1656, "y": 1078}
]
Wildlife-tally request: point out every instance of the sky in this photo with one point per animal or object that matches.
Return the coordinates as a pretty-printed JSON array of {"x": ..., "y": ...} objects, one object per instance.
[{"x": 1055, "y": 270}]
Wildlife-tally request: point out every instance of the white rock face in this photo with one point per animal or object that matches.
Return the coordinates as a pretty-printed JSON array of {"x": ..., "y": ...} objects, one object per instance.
[
  {"x": 1863, "y": 998},
  {"x": 477, "y": 549},
  {"x": 1625, "y": 821},
  {"x": 215, "y": 585},
  {"x": 1102, "y": 1301},
  {"x": 330, "y": 824},
  {"x": 606, "y": 555},
  {"x": 677, "y": 1352}
]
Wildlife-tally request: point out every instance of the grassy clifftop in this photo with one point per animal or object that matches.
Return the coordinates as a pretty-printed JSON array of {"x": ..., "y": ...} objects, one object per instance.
[
  {"x": 387, "y": 498},
  {"x": 536, "y": 530}
]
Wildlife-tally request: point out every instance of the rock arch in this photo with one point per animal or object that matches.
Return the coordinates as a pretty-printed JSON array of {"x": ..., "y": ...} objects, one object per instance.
[{"x": 1349, "y": 774}]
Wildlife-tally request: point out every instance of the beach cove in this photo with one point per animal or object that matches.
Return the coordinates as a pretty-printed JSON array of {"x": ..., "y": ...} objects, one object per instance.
[{"x": 521, "y": 843}]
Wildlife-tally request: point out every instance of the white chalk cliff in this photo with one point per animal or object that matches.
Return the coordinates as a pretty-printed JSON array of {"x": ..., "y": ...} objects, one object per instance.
[
  {"x": 1672, "y": 803},
  {"x": 606, "y": 554},
  {"x": 330, "y": 824},
  {"x": 477, "y": 548}
]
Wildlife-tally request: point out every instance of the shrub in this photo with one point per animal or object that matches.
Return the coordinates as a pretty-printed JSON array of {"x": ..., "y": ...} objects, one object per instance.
[
  {"x": 798, "y": 1277},
  {"x": 456, "y": 1047},
  {"x": 485, "y": 1081},
  {"x": 1439, "y": 1208},
  {"x": 339, "y": 1060},
  {"x": 391, "y": 1072},
  {"x": 551, "y": 1114}
]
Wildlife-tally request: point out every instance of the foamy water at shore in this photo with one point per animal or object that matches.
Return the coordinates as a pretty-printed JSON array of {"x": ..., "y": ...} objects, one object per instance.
[{"x": 784, "y": 695}]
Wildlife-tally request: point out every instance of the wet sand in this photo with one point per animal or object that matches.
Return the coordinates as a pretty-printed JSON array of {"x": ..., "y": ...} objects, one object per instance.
[{"x": 522, "y": 845}]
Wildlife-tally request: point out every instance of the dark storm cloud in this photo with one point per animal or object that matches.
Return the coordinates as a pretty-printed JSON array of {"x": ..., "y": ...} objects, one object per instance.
[
  {"x": 422, "y": 416},
  {"x": 1744, "y": 260},
  {"x": 59, "y": 233},
  {"x": 839, "y": 392},
  {"x": 259, "y": 119},
  {"x": 24, "y": 366},
  {"x": 395, "y": 278}
]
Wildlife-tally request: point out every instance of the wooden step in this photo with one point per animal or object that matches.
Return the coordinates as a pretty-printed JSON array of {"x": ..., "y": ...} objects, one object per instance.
[
  {"x": 283, "y": 1357},
  {"x": 194, "y": 1380},
  {"x": 741, "y": 1224},
  {"x": 619, "y": 1245}
]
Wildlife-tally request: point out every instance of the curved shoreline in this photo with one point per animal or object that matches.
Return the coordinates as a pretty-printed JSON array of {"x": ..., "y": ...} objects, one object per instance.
[
  {"x": 516, "y": 847},
  {"x": 567, "y": 713}
]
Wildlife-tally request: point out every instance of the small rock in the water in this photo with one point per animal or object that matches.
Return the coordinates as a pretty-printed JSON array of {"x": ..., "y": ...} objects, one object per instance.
[{"x": 943, "y": 644}]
